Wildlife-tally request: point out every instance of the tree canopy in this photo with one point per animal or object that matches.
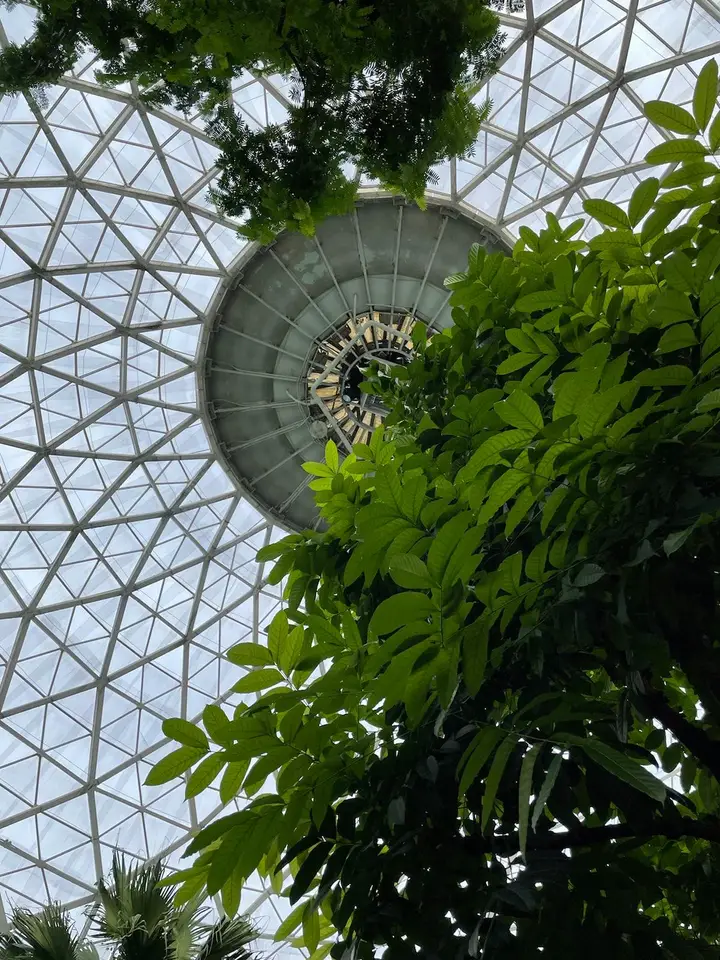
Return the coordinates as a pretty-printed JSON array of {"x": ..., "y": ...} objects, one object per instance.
[
  {"x": 513, "y": 746},
  {"x": 385, "y": 88}
]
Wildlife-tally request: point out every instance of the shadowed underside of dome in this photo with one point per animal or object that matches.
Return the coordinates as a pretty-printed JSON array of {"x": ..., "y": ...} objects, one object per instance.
[{"x": 289, "y": 332}]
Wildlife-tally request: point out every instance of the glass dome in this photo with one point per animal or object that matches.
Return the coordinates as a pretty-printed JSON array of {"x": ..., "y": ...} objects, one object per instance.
[{"x": 127, "y": 554}]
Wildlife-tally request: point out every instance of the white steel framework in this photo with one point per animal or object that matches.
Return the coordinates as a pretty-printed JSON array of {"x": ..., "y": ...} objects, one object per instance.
[{"x": 126, "y": 555}]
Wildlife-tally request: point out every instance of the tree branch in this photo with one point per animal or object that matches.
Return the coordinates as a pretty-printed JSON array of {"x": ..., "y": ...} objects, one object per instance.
[
  {"x": 697, "y": 741},
  {"x": 706, "y": 828}
]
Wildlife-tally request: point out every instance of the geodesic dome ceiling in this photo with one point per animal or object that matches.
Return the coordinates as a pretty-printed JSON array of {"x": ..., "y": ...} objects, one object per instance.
[{"x": 126, "y": 552}]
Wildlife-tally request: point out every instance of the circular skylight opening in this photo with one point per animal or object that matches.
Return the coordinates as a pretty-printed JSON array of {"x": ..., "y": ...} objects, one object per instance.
[{"x": 337, "y": 403}]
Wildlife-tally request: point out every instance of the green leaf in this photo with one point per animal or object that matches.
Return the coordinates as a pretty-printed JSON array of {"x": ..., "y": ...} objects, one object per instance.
[
  {"x": 281, "y": 568},
  {"x": 413, "y": 493},
  {"x": 657, "y": 221},
  {"x": 520, "y": 410},
  {"x": 290, "y": 722},
  {"x": 563, "y": 276},
  {"x": 249, "y": 655},
  {"x": 541, "y": 300},
  {"x": 226, "y": 856},
  {"x": 558, "y": 550},
  {"x": 489, "y": 452},
  {"x": 204, "y": 774},
  {"x": 217, "y": 724},
  {"x": 185, "y": 732},
  {"x": 272, "y": 551},
  {"x": 676, "y": 151},
  {"x": 670, "y": 116},
  {"x": 231, "y": 893},
  {"x": 524, "y": 791},
  {"x": 631, "y": 420},
  {"x": 462, "y": 563},
  {"x": 673, "y": 542},
  {"x": 444, "y": 542},
  {"x": 714, "y": 134},
  {"x": 258, "y": 680},
  {"x": 277, "y": 634},
  {"x": 519, "y": 510},
  {"x": 620, "y": 765},
  {"x": 505, "y": 487},
  {"x": 680, "y": 273},
  {"x": 688, "y": 772},
  {"x": 516, "y": 361},
  {"x": 510, "y": 572},
  {"x": 317, "y": 469},
  {"x": 396, "y": 812},
  {"x": 546, "y": 788},
  {"x": 529, "y": 237},
  {"x": 640, "y": 277},
  {"x": 173, "y": 765},
  {"x": 711, "y": 401},
  {"x": 494, "y": 777},
  {"x": 456, "y": 280},
  {"x": 655, "y": 739},
  {"x": 706, "y": 92},
  {"x": 589, "y": 573},
  {"x": 671, "y": 376},
  {"x": 332, "y": 458},
  {"x": 322, "y": 951},
  {"x": 477, "y": 755},
  {"x": 325, "y": 631},
  {"x": 208, "y": 835},
  {"x": 291, "y": 650},
  {"x": 673, "y": 755},
  {"x": 355, "y": 566},
  {"x": 521, "y": 341},
  {"x": 678, "y": 337},
  {"x": 671, "y": 306},
  {"x": 415, "y": 695},
  {"x": 409, "y": 571},
  {"x": 268, "y": 822},
  {"x": 189, "y": 890},
  {"x": 536, "y": 561},
  {"x": 552, "y": 505},
  {"x": 570, "y": 392},
  {"x": 475, "y": 650},
  {"x": 265, "y": 765},
  {"x": 351, "y": 632},
  {"x": 311, "y": 926},
  {"x": 607, "y": 213},
  {"x": 309, "y": 869},
  {"x": 690, "y": 173},
  {"x": 595, "y": 412},
  {"x": 232, "y": 779},
  {"x": 399, "y": 610},
  {"x": 642, "y": 199},
  {"x": 291, "y": 922}
]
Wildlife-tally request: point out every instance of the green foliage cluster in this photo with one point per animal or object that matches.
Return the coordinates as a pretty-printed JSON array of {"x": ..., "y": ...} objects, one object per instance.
[
  {"x": 135, "y": 919},
  {"x": 515, "y": 605},
  {"x": 384, "y": 85}
]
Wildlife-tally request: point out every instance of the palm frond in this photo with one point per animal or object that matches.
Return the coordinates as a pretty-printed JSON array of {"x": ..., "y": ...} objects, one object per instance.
[
  {"x": 135, "y": 916},
  {"x": 87, "y": 951},
  {"x": 11, "y": 948},
  {"x": 229, "y": 939},
  {"x": 187, "y": 929},
  {"x": 47, "y": 935}
]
